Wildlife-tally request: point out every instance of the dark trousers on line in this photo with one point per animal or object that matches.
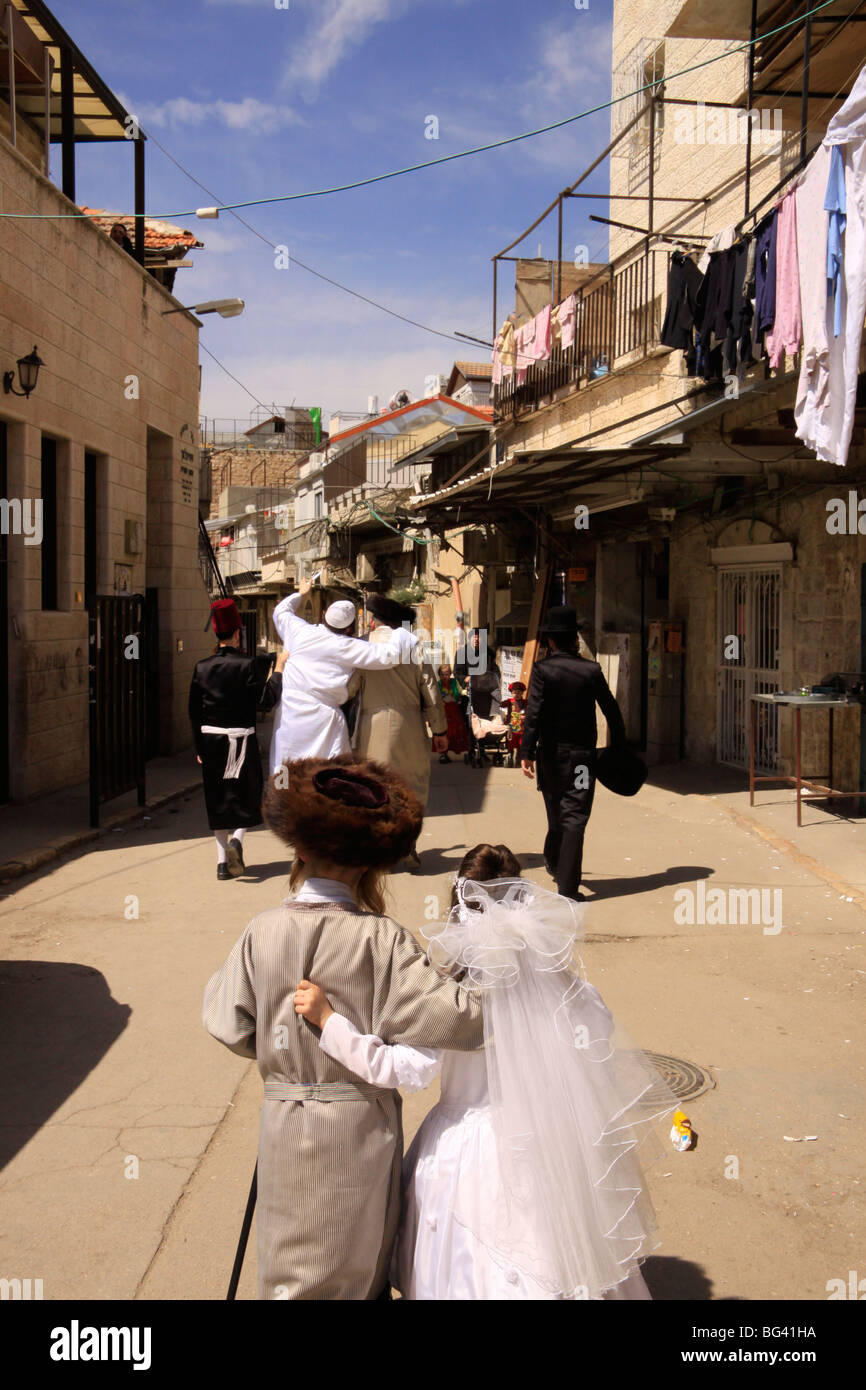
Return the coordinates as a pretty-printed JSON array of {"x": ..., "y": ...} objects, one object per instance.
[{"x": 568, "y": 803}]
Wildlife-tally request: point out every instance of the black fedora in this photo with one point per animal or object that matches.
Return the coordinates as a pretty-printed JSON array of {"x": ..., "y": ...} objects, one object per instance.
[
  {"x": 390, "y": 611},
  {"x": 560, "y": 622},
  {"x": 620, "y": 770}
]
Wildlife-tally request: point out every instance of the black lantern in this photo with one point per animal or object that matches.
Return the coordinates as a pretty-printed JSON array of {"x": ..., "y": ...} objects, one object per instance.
[{"x": 28, "y": 374}]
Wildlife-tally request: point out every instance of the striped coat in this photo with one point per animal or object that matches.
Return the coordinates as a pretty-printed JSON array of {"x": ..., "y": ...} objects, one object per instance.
[{"x": 329, "y": 1168}]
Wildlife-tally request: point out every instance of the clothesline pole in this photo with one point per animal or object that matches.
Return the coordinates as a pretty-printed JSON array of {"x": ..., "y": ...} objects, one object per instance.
[
  {"x": 559, "y": 254},
  {"x": 495, "y": 269},
  {"x": 804, "y": 100},
  {"x": 750, "y": 90}
]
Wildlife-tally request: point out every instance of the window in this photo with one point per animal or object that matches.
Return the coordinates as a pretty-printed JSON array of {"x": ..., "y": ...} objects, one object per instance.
[
  {"x": 49, "y": 523},
  {"x": 318, "y": 505}
]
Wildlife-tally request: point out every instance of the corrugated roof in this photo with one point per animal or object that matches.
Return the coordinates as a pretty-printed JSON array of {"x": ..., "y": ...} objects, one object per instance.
[{"x": 481, "y": 412}]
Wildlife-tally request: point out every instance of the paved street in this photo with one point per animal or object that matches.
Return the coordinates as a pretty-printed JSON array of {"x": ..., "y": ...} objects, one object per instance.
[{"x": 107, "y": 1070}]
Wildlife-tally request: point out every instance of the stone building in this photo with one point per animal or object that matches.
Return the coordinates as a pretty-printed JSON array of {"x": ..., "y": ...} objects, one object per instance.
[
  {"x": 678, "y": 513},
  {"x": 104, "y": 447}
]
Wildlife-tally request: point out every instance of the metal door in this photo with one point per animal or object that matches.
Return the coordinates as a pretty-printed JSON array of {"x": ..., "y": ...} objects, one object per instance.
[
  {"x": 748, "y": 614},
  {"x": 4, "y": 636},
  {"x": 117, "y": 705}
]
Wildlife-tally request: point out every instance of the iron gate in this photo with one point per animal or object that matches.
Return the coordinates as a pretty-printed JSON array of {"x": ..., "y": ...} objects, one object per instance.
[
  {"x": 117, "y": 705},
  {"x": 748, "y": 609}
]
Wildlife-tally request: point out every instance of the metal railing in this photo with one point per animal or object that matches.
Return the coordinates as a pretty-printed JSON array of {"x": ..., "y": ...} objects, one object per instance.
[{"x": 618, "y": 314}]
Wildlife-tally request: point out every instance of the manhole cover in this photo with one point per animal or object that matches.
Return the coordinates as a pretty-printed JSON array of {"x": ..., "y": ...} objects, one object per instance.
[{"x": 685, "y": 1079}]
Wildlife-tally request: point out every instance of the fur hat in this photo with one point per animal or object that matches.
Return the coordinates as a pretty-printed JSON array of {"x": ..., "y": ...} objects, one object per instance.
[
  {"x": 348, "y": 810},
  {"x": 389, "y": 611}
]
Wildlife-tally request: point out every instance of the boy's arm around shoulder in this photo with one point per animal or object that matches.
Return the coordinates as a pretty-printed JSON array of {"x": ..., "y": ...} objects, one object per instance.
[
  {"x": 413, "y": 1003},
  {"x": 229, "y": 1008}
]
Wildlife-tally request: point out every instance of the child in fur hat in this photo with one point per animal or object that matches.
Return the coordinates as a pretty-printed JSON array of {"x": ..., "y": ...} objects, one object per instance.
[{"x": 330, "y": 1146}]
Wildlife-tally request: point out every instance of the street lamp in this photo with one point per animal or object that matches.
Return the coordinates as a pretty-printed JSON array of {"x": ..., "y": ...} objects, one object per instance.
[
  {"x": 226, "y": 308},
  {"x": 28, "y": 374}
]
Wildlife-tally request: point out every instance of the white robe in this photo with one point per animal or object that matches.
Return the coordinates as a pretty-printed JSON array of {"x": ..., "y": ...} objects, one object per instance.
[{"x": 309, "y": 722}]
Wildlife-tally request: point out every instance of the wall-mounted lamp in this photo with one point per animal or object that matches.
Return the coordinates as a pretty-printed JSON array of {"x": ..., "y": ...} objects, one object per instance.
[
  {"x": 226, "y": 308},
  {"x": 28, "y": 375}
]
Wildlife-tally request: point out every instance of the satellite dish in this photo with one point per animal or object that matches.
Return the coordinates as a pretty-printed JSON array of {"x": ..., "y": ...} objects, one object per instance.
[{"x": 399, "y": 399}]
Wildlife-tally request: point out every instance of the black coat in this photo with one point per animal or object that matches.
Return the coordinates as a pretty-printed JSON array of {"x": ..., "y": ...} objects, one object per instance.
[
  {"x": 226, "y": 691},
  {"x": 560, "y": 709}
]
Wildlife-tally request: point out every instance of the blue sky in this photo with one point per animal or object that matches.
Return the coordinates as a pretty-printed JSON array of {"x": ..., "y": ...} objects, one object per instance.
[{"x": 257, "y": 101}]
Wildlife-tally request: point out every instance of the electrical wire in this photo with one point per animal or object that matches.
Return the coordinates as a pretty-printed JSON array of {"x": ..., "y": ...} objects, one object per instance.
[
  {"x": 437, "y": 332},
  {"x": 459, "y": 154}
]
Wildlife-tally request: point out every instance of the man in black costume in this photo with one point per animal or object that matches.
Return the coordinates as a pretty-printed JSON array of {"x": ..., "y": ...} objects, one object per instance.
[
  {"x": 226, "y": 691},
  {"x": 560, "y": 729}
]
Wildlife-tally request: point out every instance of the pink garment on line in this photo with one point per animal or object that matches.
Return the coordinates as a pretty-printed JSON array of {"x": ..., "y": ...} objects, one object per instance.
[
  {"x": 540, "y": 347},
  {"x": 787, "y": 330},
  {"x": 522, "y": 339},
  {"x": 566, "y": 314}
]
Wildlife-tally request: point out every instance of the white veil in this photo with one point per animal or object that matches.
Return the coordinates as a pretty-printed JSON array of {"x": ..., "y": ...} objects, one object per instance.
[{"x": 571, "y": 1100}]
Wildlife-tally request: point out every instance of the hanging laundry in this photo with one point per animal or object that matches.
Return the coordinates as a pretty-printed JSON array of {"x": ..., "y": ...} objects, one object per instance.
[
  {"x": 834, "y": 203},
  {"x": 787, "y": 331},
  {"x": 539, "y": 342},
  {"x": 566, "y": 318},
  {"x": 503, "y": 351},
  {"x": 826, "y": 425},
  {"x": 522, "y": 340},
  {"x": 814, "y": 379},
  {"x": 720, "y": 242},
  {"x": 684, "y": 281},
  {"x": 765, "y": 273}
]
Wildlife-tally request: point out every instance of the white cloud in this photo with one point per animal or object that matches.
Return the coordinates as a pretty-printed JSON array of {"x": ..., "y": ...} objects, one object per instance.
[
  {"x": 249, "y": 114},
  {"x": 345, "y": 26}
]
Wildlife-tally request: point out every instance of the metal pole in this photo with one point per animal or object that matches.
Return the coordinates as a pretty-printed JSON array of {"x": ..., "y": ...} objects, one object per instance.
[
  {"x": 804, "y": 101},
  {"x": 559, "y": 254},
  {"x": 750, "y": 88},
  {"x": 49, "y": 66},
  {"x": 67, "y": 122},
  {"x": 244, "y": 1236},
  {"x": 495, "y": 270},
  {"x": 139, "y": 198},
  {"x": 10, "y": 40}
]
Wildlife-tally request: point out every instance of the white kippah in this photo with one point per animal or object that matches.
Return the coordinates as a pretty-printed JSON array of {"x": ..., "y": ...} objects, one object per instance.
[{"x": 340, "y": 614}]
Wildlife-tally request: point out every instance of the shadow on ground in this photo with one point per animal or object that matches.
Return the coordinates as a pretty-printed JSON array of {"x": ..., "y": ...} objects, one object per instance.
[{"x": 58, "y": 1022}]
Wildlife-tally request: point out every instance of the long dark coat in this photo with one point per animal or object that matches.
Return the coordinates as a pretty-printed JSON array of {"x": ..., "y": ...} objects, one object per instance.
[{"x": 226, "y": 691}]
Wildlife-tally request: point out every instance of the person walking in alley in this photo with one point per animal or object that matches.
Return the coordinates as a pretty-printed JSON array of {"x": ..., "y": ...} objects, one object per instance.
[
  {"x": 322, "y": 657},
  {"x": 397, "y": 705},
  {"x": 560, "y": 730},
  {"x": 226, "y": 691},
  {"x": 331, "y": 1147}
]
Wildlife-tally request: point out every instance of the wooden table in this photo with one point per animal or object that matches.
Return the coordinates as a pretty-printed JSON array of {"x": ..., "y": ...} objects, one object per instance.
[{"x": 798, "y": 703}]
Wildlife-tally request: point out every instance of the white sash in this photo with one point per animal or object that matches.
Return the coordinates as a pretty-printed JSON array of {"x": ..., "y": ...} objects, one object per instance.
[{"x": 235, "y": 760}]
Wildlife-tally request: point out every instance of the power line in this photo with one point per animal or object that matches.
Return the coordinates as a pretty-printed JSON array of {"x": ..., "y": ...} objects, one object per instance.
[{"x": 459, "y": 154}]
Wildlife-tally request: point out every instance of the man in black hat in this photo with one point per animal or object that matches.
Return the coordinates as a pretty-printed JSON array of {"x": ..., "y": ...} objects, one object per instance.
[{"x": 560, "y": 729}]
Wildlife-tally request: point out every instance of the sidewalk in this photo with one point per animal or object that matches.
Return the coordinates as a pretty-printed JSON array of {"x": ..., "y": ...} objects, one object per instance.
[{"x": 35, "y": 832}]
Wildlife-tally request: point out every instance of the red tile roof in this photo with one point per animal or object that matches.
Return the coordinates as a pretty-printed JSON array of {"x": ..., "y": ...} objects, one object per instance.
[{"x": 158, "y": 236}]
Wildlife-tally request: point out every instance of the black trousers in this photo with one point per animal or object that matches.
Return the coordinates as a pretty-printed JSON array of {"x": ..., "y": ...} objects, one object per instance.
[{"x": 566, "y": 779}]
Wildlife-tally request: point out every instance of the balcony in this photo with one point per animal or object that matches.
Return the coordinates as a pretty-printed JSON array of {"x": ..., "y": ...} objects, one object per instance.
[{"x": 618, "y": 321}]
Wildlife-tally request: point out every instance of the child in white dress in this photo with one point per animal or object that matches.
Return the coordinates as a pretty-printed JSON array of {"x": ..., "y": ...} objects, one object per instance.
[{"x": 534, "y": 1194}]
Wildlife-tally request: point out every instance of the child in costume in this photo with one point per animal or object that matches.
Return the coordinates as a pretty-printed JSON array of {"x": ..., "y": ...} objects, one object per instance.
[
  {"x": 331, "y": 1146},
  {"x": 515, "y": 714},
  {"x": 454, "y": 697},
  {"x": 523, "y": 1182}
]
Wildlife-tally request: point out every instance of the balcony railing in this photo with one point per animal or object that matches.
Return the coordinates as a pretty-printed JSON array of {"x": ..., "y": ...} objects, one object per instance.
[{"x": 618, "y": 318}]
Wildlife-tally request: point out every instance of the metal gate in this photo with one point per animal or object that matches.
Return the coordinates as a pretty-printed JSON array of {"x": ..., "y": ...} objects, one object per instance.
[
  {"x": 250, "y": 622},
  {"x": 117, "y": 704},
  {"x": 748, "y": 610}
]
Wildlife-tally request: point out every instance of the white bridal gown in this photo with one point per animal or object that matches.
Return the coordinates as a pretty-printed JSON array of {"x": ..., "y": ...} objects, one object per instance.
[{"x": 451, "y": 1177}]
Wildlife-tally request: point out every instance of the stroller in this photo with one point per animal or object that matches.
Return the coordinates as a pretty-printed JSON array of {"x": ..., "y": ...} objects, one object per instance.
[{"x": 488, "y": 736}]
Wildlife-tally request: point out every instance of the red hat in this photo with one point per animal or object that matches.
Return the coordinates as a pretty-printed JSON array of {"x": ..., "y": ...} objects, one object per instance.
[
  {"x": 225, "y": 617},
  {"x": 515, "y": 684}
]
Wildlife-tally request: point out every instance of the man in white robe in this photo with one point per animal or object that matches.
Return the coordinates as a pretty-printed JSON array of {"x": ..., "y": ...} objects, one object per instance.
[{"x": 309, "y": 722}]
